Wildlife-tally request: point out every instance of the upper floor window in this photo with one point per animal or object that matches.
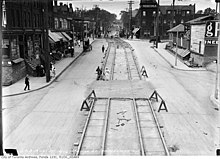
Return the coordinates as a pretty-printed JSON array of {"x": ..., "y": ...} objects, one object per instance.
[
  {"x": 144, "y": 13},
  {"x": 168, "y": 12},
  {"x": 188, "y": 12},
  {"x": 56, "y": 23}
]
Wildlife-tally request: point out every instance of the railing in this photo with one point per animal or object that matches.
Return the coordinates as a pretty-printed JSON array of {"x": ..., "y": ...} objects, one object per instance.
[{"x": 155, "y": 95}]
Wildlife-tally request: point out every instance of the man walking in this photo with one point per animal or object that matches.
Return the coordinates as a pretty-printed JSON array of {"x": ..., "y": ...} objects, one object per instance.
[
  {"x": 103, "y": 48},
  {"x": 27, "y": 84}
]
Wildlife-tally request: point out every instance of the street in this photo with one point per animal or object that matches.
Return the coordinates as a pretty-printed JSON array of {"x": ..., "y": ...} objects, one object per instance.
[{"x": 47, "y": 121}]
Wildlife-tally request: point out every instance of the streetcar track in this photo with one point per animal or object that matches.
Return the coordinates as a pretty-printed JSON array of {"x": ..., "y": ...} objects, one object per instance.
[{"x": 122, "y": 126}]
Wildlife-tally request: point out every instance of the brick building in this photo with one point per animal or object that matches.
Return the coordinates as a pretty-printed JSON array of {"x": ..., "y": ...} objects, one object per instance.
[
  {"x": 147, "y": 17},
  {"x": 23, "y": 37}
]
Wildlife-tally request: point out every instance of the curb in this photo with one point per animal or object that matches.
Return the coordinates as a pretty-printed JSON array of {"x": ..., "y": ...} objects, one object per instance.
[
  {"x": 48, "y": 84},
  {"x": 215, "y": 102},
  {"x": 172, "y": 66}
]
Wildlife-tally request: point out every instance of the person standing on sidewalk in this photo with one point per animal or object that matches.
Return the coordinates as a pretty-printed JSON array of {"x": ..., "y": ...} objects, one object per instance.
[
  {"x": 103, "y": 48},
  {"x": 27, "y": 84}
]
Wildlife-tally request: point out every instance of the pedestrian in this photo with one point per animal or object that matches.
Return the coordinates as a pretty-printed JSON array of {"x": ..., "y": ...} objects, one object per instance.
[
  {"x": 79, "y": 43},
  {"x": 53, "y": 70},
  {"x": 103, "y": 48},
  {"x": 99, "y": 73},
  {"x": 27, "y": 83}
]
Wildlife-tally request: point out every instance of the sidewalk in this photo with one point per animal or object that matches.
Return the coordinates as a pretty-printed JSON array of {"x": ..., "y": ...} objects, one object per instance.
[
  {"x": 37, "y": 83},
  {"x": 170, "y": 58}
]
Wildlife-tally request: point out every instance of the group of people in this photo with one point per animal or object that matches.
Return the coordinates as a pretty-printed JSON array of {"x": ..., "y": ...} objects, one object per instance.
[{"x": 102, "y": 75}]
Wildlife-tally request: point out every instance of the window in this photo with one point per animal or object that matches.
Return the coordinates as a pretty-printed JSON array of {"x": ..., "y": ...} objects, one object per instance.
[
  {"x": 64, "y": 24},
  {"x": 13, "y": 18},
  {"x": 168, "y": 12},
  {"x": 183, "y": 13},
  {"x": 182, "y": 21},
  {"x": 165, "y": 21},
  {"x": 14, "y": 48},
  {"x": 56, "y": 23},
  {"x": 144, "y": 13},
  {"x": 187, "y": 12}
]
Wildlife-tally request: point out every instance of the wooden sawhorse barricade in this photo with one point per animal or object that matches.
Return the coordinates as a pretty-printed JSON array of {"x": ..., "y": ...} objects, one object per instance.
[
  {"x": 143, "y": 72},
  {"x": 87, "y": 103},
  {"x": 155, "y": 95}
]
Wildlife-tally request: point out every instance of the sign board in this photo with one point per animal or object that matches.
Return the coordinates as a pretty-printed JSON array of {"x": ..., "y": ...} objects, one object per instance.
[{"x": 212, "y": 29}]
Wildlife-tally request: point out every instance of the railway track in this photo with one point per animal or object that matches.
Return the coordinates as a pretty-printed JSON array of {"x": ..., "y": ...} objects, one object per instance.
[
  {"x": 121, "y": 126},
  {"x": 121, "y": 62}
]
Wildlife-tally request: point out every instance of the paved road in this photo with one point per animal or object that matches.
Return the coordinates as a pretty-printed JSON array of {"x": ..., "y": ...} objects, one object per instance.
[
  {"x": 47, "y": 121},
  {"x": 190, "y": 125}
]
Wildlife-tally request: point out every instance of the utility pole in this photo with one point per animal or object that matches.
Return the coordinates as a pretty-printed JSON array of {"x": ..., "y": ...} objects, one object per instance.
[
  {"x": 217, "y": 62},
  {"x": 1, "y": 123},
  {"x": 46, "y": 41},
  {"x": 157, "y": 23},
  {"x": 130, "y": 13}
]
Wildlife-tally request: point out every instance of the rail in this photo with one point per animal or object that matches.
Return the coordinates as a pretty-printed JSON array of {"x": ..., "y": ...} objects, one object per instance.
[
  {"x": 155, "y": 95},
  {"x": 159, "y": 130},
  {"x": 139, "y": 129}
]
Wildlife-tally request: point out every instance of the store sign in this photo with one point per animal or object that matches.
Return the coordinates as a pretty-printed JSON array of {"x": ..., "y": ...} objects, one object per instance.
[
  {"x": 211, "y": 42},
  {"x": 212, "y": 29},
  {"x": 212, "y": 33}
]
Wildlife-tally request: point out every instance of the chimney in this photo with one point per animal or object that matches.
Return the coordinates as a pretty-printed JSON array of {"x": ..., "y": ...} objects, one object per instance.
[
  {"x": 70, "y": 5},
  {"x": 55, "y": 2},
  {"x": 61, "y": 3}
]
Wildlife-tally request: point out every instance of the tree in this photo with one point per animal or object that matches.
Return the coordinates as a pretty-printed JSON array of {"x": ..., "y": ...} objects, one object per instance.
[
  {"x": 209, "y": 11},
  {"x": 199, "y": 12}
]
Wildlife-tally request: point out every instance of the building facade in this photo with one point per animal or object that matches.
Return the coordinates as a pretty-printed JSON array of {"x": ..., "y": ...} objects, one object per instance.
[
  {"x": 169, "y": 17},
  {"x": 23, "y": 37}
]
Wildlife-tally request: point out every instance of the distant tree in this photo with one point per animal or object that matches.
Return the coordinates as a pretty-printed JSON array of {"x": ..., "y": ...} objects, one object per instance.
[
  {"x": 199, "y": 12},
  {"x": 209, "y": 11}
]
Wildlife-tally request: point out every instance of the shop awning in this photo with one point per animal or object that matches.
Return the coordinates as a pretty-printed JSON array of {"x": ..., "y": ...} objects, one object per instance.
[
  {"x": 54, "y": 36},
  {"x": 135, "y": 30},
  {"x": 51, "y": 40},
  {"x": 61, "y": 35},
  {"x": 66, "y": 35},
  {"x": 18, "y": 60}
]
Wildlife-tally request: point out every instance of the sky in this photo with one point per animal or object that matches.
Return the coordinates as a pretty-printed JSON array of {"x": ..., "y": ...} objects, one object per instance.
[{"x": 116, "y": 6}]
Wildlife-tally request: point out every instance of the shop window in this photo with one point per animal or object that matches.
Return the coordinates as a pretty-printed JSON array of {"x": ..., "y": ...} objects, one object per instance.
[
  {"x": 15, "y": 53},
  {"x": 30, "y": 47},
  {"x": 5, "y": 48}
]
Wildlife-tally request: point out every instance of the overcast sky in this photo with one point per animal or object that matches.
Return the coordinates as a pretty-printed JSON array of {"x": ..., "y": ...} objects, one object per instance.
[{"x": 116, "y": 6}]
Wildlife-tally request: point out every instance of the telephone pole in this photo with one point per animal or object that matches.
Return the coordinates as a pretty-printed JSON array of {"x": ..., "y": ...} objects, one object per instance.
[
  {"x": 1, "y": 126},
  {"x": 157, "y": 23},
  {"x": 130, "y": 13}
]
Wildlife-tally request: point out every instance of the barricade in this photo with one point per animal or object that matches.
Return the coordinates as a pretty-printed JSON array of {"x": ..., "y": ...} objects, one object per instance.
[
  {"x": 87, "y": 103},
  {"x": 155, "y": 95},
  {"x": 144, "y": 72}
]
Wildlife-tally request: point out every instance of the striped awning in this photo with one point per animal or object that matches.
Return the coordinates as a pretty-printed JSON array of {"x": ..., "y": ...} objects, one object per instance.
[
  {"x": 66, "y": 35},
  {"x": 54, "y": 36},
  {"x": 61, "y": 35}
]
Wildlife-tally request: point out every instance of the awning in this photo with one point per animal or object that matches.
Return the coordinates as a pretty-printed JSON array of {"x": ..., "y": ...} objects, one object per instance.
[
  {"x": 55, "y": 37},
  {"x": 67, "y": 36},
  {"x": 18, "y": 60},
  {"x": 63, "y": 37},
  {"x": 51, "y": 40},
  {"x": 135, "y": 30}
]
